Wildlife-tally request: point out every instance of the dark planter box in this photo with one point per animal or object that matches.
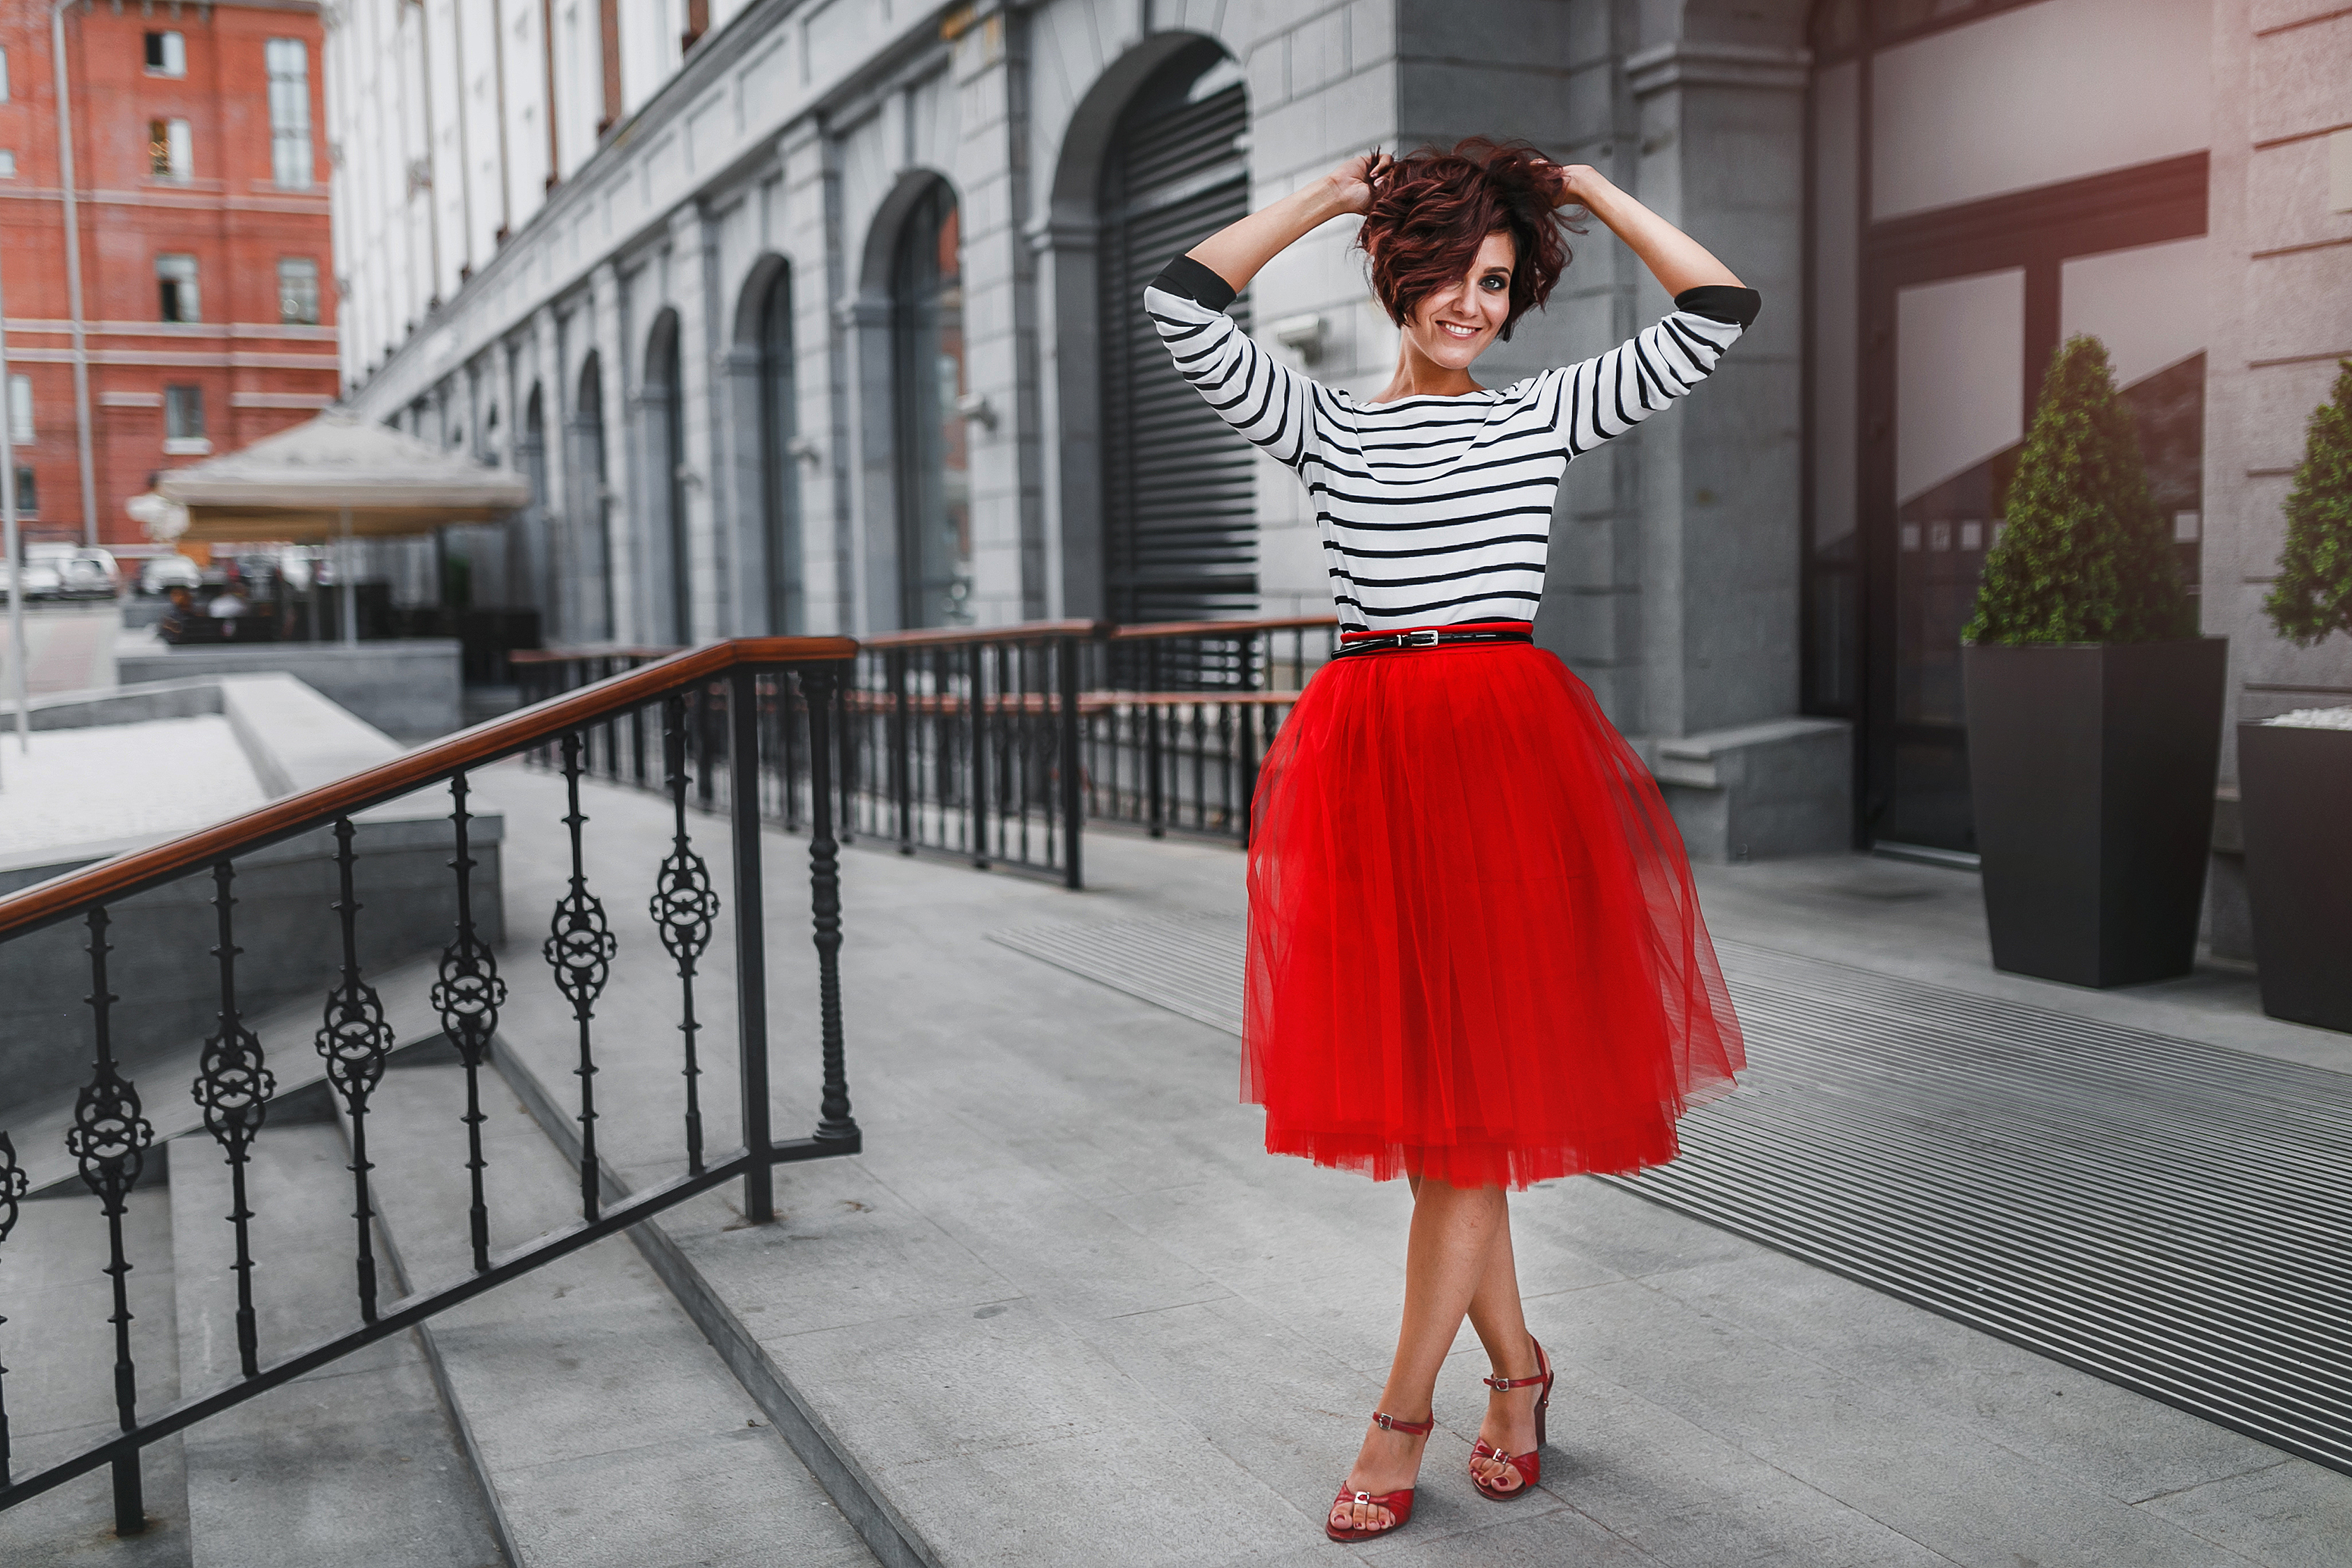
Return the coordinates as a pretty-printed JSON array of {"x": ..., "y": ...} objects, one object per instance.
[
  {"x": 2093, "y": 769},
  {"x": 2294, "y": 788}
]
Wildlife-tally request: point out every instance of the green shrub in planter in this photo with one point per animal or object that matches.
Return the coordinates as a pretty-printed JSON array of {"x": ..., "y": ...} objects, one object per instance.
[
  {"x": 2295, "y": 776},
  {"x": 2094, "y": 709},
  {"x": 2313, "y": 595},
  {"x": 2086, "y": 557}
]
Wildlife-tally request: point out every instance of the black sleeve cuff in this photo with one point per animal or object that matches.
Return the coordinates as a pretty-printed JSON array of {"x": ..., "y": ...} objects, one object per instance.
[
  {"x": 1190, "y": 280},
  {"x": 1717, "y": 302}
]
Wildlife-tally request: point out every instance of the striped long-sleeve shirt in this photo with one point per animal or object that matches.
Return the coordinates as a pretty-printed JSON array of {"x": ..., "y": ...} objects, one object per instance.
[{"x": 1436, "y": 511}]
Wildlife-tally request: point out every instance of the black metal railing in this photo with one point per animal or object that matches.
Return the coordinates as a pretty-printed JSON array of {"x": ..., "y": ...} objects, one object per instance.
[
  {"x": 1182, "y": 714},
  {"x": 654, "y": 725},
  {"x": 958, "y": 742}
]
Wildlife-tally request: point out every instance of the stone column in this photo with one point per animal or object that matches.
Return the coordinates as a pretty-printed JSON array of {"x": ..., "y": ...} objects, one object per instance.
[
  {"x": 1720, "y": 114},
  {"x": 999, "y": 329}
]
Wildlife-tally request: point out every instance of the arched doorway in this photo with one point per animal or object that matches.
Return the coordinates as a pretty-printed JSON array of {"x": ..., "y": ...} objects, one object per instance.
[
  {"x": 669, "y": 585},
  {"x": 935, "y": 556},
  {"x": 1180, "y": 500},
  {"x": 535, "y": 589},
  {"x": 589, "y": 588},
  {"x": 779, "y": 511}
]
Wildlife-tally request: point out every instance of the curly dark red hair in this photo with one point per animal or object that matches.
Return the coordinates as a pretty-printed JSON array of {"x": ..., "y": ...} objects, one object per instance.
[{"x": 1430, "y": 211}]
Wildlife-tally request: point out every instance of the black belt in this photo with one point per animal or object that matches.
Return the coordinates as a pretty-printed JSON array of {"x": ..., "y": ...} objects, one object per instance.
[{"x": 1426, "y": 637}]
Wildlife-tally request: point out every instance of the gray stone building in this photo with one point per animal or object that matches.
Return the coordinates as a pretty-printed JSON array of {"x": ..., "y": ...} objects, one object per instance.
[{"x": 820, "y": 314}]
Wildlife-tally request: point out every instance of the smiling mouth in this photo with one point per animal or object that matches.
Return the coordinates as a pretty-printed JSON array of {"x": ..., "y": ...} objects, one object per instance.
[{"x": 1458, "y": 331}]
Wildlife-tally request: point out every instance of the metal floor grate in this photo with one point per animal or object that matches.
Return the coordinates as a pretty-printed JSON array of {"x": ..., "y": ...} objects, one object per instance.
[{"x": 2173, "y": 1217}]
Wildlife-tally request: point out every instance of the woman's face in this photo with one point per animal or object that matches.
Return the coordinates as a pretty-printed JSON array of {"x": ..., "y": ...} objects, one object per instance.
[{"x": 1452, "y": 325}]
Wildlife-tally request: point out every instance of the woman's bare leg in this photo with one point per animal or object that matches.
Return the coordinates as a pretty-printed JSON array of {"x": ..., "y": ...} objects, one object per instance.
[
  {"x": 1496, "y": 1313},
  {"x": 1446, "y": 1260}
]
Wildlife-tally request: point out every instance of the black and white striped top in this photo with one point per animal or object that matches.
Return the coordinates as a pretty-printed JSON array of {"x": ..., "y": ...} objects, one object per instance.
[{"x": 1436, "y": 511}]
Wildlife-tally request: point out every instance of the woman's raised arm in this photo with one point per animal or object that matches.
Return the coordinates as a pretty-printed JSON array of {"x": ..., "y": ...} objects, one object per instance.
[
  {"x": 1674, "y": 258},
  {"x": 1235, "y": 251}
]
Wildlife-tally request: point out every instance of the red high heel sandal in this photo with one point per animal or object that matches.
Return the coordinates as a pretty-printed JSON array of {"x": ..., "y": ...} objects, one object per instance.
[
  {"x": 1528, "y": 1465},
  {"x": 1398, "y": 1503}
]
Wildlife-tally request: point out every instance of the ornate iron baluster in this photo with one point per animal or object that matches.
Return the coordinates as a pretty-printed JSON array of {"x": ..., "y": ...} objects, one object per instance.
[
  {"x": 468, "y": 996},
  {"x": 580, "y": 949},
  {"x": 354, "y": 1039},
  {"x": 109, "y": 1140},
  {"x": 234, "y": 1086},
  {"x": 751, "y": 963},
  {"x": 824, "y": 903},
  {"x": 13, "y": 1184},
  {"x": 684, "y": 907}
]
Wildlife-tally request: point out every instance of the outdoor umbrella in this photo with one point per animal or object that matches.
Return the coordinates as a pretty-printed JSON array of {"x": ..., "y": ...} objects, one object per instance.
[{"x": 339, "y": 477}]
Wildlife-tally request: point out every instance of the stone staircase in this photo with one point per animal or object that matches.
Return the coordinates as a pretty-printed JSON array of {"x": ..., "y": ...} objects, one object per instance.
[{"x": 577, "y": 1417}]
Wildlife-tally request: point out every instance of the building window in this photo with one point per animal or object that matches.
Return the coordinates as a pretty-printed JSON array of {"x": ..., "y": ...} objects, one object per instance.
[
  {"x": 167, "y": 55},
  {"x": 28, "y": 494},
  {"x": 20, "y": 409},
  {"x": 4, "y": 75},
  {"x": 297, "y": 291},
  {"x": 184, "y": 421},
  {"x": 175, "y": 281},
  {"x": 935, "y": 484},
  {"x": 290, "y": 112},
  {"x": 7, "y": 165},
  {"x": 170, "y": 150}
]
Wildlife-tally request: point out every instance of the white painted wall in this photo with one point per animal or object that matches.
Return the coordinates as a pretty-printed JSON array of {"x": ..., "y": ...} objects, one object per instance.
[{"x": 2037, "y": 95}]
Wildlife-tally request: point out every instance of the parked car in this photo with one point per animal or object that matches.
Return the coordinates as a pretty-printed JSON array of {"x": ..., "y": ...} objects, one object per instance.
[
  {"x": 71, "y": 571},
  {"x": 164, "y": 573}
]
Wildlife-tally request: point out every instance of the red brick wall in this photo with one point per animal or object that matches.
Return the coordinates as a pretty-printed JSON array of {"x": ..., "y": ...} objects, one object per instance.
[{"x": 230, "y": 215}]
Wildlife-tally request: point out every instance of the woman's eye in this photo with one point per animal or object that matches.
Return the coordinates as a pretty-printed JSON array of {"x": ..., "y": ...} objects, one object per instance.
[{"x": 1490, "y": 283}]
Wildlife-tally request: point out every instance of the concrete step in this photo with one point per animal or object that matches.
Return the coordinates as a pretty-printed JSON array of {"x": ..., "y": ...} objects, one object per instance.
[
  {"x": 606, "y": 1430},
  {"x": 358, "y": 1462},
  {"x": 59, "y": 1351}
]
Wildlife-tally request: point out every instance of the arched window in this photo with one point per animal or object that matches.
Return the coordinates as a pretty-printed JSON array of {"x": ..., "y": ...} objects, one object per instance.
[
  {"x": 1179, "y": 502},
  {"x": 779, "y": 470},
  {"x": 534, "y": 587},
  {"x": 664, "y": 437},
  {"x": 934, "y": 470},
  {"x": 589, "y": 595}
]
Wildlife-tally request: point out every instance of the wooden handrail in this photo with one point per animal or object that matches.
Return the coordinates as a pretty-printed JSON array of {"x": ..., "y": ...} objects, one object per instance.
[
  {"x": 1018, "y": 632},
  {"x": 61, "y": 898},
  {"x": 588, "y": 651},
  {"x": 1219, "y": 628},
  {"x": 943, "y": 636}
]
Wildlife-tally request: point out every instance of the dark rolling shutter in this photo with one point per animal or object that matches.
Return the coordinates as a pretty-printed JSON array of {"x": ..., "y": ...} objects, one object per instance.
[{"x": 1179, "y": 512}]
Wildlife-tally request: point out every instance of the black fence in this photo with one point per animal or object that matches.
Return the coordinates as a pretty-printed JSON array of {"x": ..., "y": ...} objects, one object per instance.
[
  {"x": 693, "y": 730},
  {"x": 998, "y": 746}
]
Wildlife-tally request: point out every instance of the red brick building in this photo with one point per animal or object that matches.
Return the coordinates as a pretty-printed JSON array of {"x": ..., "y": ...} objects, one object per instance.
[{"x": 200, "y": 184}]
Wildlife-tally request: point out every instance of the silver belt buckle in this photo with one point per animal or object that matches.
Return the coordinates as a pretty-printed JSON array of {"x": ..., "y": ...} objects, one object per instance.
[{"x": 1421, "y": 637}]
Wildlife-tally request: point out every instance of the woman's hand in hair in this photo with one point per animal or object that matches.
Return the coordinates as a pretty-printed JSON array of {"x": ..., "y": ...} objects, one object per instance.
[
  {"x": 1580, "y": 186},
  {"x": 1352, "y": 182},
  {"x": 1677, "y": 261}
]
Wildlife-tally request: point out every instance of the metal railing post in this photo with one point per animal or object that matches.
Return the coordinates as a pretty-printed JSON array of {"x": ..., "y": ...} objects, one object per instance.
[
  {"x": 898, "y": 735},
  {"x": 979, "y": 666},
  {"x": 1155, "y": 809},
  {"x": 835, "y": 1123},
  {"x": 1073, "y": 782},
  {"x": 751, "y": 947}
]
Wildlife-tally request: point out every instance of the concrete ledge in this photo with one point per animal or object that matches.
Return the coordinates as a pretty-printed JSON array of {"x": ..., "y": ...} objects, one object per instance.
[
  {"x": 412, "y": 688},
  {"x": 1756, "y": 791}
]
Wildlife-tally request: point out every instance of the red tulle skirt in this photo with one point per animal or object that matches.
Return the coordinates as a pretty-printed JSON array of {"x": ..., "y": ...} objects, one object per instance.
[{"x": 1475, "y": 952}]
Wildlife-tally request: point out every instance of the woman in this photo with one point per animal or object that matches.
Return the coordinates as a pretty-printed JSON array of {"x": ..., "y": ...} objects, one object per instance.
[{"x": 1475, "y": 956}]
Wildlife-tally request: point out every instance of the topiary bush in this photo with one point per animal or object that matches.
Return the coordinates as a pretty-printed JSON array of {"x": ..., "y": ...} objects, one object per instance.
[
  {"x": 2086, "y": 557},
  {"x": 2314, "y": 594}
]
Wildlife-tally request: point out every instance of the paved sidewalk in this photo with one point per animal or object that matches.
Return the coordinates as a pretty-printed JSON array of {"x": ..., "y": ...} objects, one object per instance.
[{"x": 1066, "y": 1310}]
